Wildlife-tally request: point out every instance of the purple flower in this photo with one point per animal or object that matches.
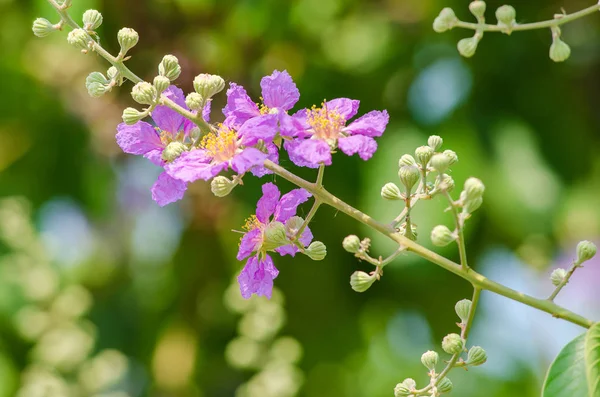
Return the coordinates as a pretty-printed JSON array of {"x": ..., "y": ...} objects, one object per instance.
[
  {"x": 259, "y": 272},
  {"x": 324, "y": 129}
]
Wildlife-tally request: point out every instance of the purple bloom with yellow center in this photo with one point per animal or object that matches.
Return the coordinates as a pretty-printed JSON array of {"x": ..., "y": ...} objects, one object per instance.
[
  {"x": 269, "y": 230},
  {"x": 324, "y": 129},
  {"x": 144, "y": 139}
]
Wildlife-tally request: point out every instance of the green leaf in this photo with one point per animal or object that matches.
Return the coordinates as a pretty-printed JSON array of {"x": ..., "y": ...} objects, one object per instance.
[{"x": 576, "y": 369}]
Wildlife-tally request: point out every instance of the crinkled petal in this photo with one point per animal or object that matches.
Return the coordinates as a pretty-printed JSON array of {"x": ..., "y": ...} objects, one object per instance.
[
  {"x": 166, "y": 118},
  {"x": 292, "y": 126},
  {"x": 155, "y": 156},
  {"x": 268, "y": 202},
  {"x": 273, "y": 155},
  {"x": 248, "y": 244},
  {"x": 363, "y": 145},
  {"x": 306, "y": 237},
  {"x": 139, "y": 138},
  {"x": 347, "y": 108},
  {"x": 309, "y": 152},
  {"x": 371, "y": 124},
  {"x": 206, "y": 111},
  {"x": 247, "y": 159},
  {"x": 194, "y": 165},
  {"x": 279, "y": 90},
  {"x": 239, "y": 108},
  {"x": 167, "y": 190},
  {"x": 259, "y": 128},
  {"x": 257, "y": 277},
  {"x": 289, "y": 203}
]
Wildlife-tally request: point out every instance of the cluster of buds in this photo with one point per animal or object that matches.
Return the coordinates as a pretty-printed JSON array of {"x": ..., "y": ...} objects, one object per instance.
[
  {"x": 586, "y": 250},
  {"x": 361, "y": 281}
]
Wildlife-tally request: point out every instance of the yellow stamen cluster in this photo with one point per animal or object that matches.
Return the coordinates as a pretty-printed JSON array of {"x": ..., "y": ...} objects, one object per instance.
[
  {"x": 222, "y": 145},
  {"x": 263, "y": 109},
  {"x": 251, "y": 223},
  {"x": 326, "y": 124}
]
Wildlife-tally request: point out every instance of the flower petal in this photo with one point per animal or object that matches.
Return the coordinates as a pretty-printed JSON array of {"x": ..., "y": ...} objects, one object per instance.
[
  {"x": 194, "y": 165},
  {"x": 363, "y": 145},
  {"x": 290, "y": 250},
  {"x": 268, "y": 202},
  {"x": 257, "y": 277},
  {"x": 167, "y": 190},
  {"x": 309, "y": 152},
  {"x": 292, "y": 126},
  {"x": 371, "y": 124},
  {"x": 248, "y": 244},
  {"x": 279, "y": 90},
  {"x": 247, "y": 159},
  {"x": 273, "y": 155},
  {"x": 166, "y": 118},
  {"x": 258, "y": 128},
  {"x": 155, "y": 156},
  {"x": 239, "y": 108},
  {"x": 286, "y": 208},
  {"x": 139, "y": 138},
  {"x": 345, "y": 107}
]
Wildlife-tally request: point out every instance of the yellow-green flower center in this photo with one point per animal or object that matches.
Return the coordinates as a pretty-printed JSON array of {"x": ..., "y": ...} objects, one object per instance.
[{"x": 325, "y": 123}]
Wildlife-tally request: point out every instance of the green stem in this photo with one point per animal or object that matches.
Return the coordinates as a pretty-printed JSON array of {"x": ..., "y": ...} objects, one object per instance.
[
  {"x": 473, "y": 277},
  {"x": 462, "y": 250},
  {"x": 560, "y": 286},
  {"x": 559, "y": 20}
]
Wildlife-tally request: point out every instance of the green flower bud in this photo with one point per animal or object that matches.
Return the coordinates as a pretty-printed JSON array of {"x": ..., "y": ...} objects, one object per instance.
[
  {"x": 477, "y": 8},
  {"x": 558, "y": 276},
  {"x": 96, "y": 90},
  {"x": 445, "y": 20},
  {"x": 506, "y": 17},
  {"x": 435, "y": 142},
  {"x": 451, "y": 155},
  {"x": 208, "y": 85},
  {"x": 169, "y": 67},
  {"x": 161, "y": 83},
  {"x": 409, "y": 175},
  {"x": 92, "y": 20},
  {"x": 127, "y": 39},
  {"x": 445, "y": 385},
  {"x": 96, "y": 77},
  {"x": 293, "y": 225},
  {"x": 112, "y": 73},
  {"x": 410, "y": 383},
  {"x": 585, "y": 251},
  {"x": 453, "y": 343},
  {"x": 406, "y": 159},
  {"x": 401, "y": 390},
  {"x": 471, "y": 205},
  {"x": 194, "y": 101},
  {"x": 221, "y": 186},
  {"x": 462, "y": 309},
  {"x": 79, "y": 39},
  {"x": 42, "y": 27},
  {"x": 173, "y": 151},
  {"x": 476, "y": 356},
  {"x": 361, "y": 281},
  {"x": 144, "y": 93},
  {"x": 430, "y": 359},
  {"x": 473, "y": 188},
  {"x": 390, "y": 191},
  {"x": 442, "y": 236},
  {"x": 423, "y": 155},
  {"x": 440, "y": 162},
  {"x": 446, "y": 184},
  {"x": 559, "y": 50},
  {"x": 275, "y": 236},
  {"x": 316, "y": 251},
  {"x": 467, "y": 47},
  {"x": 132, "y": 116},
  {"x": 351, "y": 244}
]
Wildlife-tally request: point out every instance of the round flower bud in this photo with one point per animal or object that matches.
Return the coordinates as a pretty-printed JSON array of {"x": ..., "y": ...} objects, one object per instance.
[
  {"x": 476, "y": 356},
  {"x": 208, "y": 85},
  {"x": 585, "y": 251},
  {"x": 221, "y": 186},
  {"x": 127, "y": 39},
  {"x": 351, "y": 244},
  {"x": 423, "y": 155},
  {"x": 410, "y": 383},
  {"x": 96, "y": 90},
  {"x": 444, "y": 385},
  {"x": 112, "y": 73},
  {"x": 559, "y": 50},
  {"x": 471, "y": 205},
  {"x": 361, "y": 281},
  {"x": 42, "y": 27},
  {"x": 440, "y": 162},
  {"x": 78, "y": 38},
  {"x": 430, "y": 359},
  {"x": 173, "y": 151},
  {"x": 445, "y": 20},
  {"x": 275, "y": 236},
  {"x": 169, "y": 67},
  {"x": 442, "y": 236},
  {"x": 406, "y": 159},
  {"x": 161, "y": 83},
  {"x": 409, "y": 175},
  {"x": 435, "y": 142},
  {"x": 96, "y": 77},
  {"x": 473, "y": 188},
  {"x": 401, "y": 390},
  {"x": 451, "y": 155},
  {"x": 467, "y": 47},
  {"x": 558, "y": 276},
  {"x": 316, "y": 251},
  {"x": 390, "y": 191},
  {"x": 92, "y": 20},
  {"x": 453, "y": 343},
  {"x": 477, "y": 8},
  {"x": 462, "y": 309},
  {"x": 144, "y": 93},
  {"x": 506, "y": 15},
  {"x": 194, "y": 101},
  {"x": 132, "y": 116},
  {"x": 446, "y": 184}
]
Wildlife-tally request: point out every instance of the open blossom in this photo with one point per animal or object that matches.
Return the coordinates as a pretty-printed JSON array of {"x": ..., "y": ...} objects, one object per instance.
[
  {"x": 324, "y": 130},
  {"x": 272, "y": 212}
]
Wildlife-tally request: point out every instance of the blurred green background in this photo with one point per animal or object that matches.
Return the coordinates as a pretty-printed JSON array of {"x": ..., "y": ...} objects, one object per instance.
[{"x": 103, "y": 293}]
